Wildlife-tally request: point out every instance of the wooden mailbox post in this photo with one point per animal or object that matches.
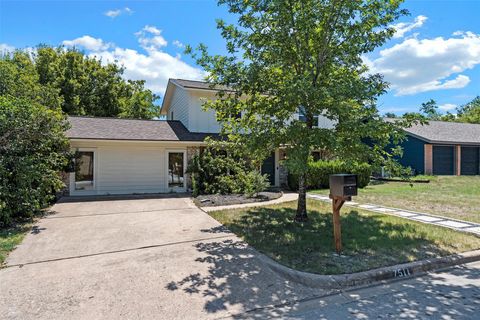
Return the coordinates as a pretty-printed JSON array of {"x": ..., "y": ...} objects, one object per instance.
[{"x": 342, "y": 188}]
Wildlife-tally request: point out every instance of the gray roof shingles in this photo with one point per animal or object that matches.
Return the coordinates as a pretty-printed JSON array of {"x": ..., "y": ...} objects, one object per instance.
[
  {"x": 128, "y": 129},
  {"x": 447, "y": 132},
  {"x": 195, "y": 84}
]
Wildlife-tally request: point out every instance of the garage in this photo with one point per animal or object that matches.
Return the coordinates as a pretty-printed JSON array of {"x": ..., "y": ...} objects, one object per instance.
[
  {"x": 470, "y": 160},
  {"x": 443, "y": 160},
  {"x": 123, "y": 156}
]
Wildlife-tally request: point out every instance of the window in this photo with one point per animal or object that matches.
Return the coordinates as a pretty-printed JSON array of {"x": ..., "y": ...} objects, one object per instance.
[
  {"x": 171, "y": 115},
  {"x": 302, "y": 117},
  {"x": 84, "y": 170},
  {"x": 175, "y": 169}
]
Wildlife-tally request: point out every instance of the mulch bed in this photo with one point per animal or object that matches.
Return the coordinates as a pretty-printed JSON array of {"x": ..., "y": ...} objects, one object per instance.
[{"x": 214, "y": 200}]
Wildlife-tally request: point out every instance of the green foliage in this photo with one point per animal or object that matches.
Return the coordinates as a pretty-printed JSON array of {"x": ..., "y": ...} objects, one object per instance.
[
  {"x": 216, "y": 171},
  {"x": 33, "y": 150},
  {"x": 304, "y": 56},
  {"x": 252, "y": 182},
  {"x": 319, "y": 173},
  {"x": 79, "y": 84},
  {"x": 470, "y": 112}
]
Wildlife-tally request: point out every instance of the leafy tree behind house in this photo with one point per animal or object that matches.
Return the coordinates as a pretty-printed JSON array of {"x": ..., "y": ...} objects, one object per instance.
[
  {"x": 429, "y": 111},
  {"x": 79, "y": 84},
  {"x": 470, "y": 112},
  {"x": 303, "y": 56},
  {"x": 33, "y": 150}
]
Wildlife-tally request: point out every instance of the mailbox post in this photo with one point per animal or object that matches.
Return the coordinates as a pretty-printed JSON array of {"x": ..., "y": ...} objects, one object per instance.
[{"x": 342, "y": 188}]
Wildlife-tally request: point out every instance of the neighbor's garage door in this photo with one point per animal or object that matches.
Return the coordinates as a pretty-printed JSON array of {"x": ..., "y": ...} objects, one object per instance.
[
  {"x": 443, "y": 160},
  {"x": 470, "y": 160}
]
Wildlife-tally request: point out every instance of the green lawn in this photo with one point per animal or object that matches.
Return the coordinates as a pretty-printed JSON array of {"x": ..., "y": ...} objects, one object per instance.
[
  {"x": 370, "y": 240},
  {"x": 455, "y": 197},
  {"x": 10, "y": 238}
]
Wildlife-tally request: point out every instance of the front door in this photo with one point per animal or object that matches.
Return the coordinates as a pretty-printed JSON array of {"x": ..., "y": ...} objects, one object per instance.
[
  {"x": 176, "y": 171},
  {"x": 268, "y": 167}
]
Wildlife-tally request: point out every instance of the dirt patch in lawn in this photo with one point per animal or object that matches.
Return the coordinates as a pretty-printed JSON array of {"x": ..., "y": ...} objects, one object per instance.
[{"x": 215, "y": 200}]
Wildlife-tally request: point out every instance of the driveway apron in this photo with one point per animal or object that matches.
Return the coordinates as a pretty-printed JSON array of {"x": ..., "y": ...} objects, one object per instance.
[{"x": 159, "y": 258}]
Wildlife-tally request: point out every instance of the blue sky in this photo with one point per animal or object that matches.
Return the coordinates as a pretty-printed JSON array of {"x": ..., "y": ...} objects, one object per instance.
[{"x": 435, "y": 54}]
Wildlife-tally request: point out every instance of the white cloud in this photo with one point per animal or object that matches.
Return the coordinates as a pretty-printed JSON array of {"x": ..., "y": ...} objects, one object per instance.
[
  {"x": 415, "y": 66},
  {"x": 155, "y": 66},
  {"x": 178, "y": 44},
  {"x": 150, "y": 38},
  {"x": 447, "y": 106},
  {"x": 5, "y": 48},
  {"x": 88, "y": 43},
  {"x": 115, "y": 13},
  {"x": 403, "y": 27}
]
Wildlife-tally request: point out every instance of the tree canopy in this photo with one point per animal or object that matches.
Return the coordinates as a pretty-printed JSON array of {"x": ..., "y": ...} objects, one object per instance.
[
  {"x": 289, "y": 61},
  {"x": 470, "y": 112},
  {"x": 75, "y": 82},
  {"x": 33, "y": 150}
]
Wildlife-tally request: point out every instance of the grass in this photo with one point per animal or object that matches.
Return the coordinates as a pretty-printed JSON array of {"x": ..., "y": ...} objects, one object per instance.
[
  {"x": 370, "y": 240},
  {"x": 449, "y": 196},
  {"x": 10, "y": 238}
]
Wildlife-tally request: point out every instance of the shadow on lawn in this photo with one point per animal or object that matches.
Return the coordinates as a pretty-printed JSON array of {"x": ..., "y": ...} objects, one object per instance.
[
  {"x": 236, "y": 277},
  {"x": 369, "y": 241}
]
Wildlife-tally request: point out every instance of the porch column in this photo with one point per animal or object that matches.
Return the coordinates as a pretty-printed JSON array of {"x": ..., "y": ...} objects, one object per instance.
[
  {"x": 428, "y": 159},
  {"x": 458, "y": 168}
]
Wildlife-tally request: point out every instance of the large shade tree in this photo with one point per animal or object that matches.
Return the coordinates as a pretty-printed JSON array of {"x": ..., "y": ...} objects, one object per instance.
[
  {"x": 77, "y": 83},
  {"x": 303, "y": 57}
]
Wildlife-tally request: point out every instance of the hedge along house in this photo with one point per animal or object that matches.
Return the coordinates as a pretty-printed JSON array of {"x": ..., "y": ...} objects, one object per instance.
[{"x": 443, "y": 148}]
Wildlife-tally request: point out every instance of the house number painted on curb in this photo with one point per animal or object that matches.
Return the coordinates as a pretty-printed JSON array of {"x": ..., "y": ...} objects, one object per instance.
[{"x": 400, "y": 273}]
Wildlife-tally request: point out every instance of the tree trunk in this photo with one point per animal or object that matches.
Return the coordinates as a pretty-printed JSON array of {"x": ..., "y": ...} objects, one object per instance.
[{"x": 301, "y": 215}]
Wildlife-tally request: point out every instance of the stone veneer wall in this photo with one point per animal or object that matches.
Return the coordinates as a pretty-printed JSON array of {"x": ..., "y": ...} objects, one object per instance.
[
  {"x": 282, "y": 170},
  {"x": 191, "y": 152}
]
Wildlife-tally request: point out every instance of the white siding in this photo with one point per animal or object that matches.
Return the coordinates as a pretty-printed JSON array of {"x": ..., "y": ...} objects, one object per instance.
[
  {"x": 200, "y": 120},
  {"x": 179, "y": 106},
  {"x": 127, "y": 167}
]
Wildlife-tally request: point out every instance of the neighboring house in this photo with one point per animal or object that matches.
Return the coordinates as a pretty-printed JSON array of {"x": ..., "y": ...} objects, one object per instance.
[
  {"x": 443, "y": 148},
  {"x": 121, "y": 156}
]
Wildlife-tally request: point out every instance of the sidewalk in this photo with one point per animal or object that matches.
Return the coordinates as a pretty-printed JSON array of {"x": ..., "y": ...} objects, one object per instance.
[
  {"x": 286, "y": 197},
  {"x": 458, "y": 225}
]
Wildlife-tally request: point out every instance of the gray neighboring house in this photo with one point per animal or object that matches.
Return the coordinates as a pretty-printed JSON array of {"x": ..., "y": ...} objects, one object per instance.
[{"x": 443, "y": 148}]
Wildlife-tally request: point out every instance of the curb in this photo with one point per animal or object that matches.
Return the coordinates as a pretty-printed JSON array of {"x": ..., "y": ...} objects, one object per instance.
[{"x": 397, "y": 272}]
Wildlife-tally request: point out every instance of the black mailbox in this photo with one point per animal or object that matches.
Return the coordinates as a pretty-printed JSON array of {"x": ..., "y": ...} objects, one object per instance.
[{"x": 343, "y": 185}]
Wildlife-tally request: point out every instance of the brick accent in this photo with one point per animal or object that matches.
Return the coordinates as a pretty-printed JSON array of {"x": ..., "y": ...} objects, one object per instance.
[
  {"x": 458, "y": 167},
  {"x": 428, "y": 159},
  {"x": 191, "y": 152}
]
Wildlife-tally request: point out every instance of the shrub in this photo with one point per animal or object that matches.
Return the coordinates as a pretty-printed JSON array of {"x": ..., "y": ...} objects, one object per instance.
[
  {"x": 33, "y": 150},
  {"x": 252, "y": 182},
  {"x": 319, "y": 172},
  {"x": 216, "y": 172}
]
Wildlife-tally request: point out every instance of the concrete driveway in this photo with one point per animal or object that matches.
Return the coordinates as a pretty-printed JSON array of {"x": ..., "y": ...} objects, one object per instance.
[{"x": 159, "y": 258}]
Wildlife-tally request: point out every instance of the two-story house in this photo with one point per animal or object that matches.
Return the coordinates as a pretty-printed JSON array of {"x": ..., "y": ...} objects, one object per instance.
[{"x": 122, "y": 156}]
